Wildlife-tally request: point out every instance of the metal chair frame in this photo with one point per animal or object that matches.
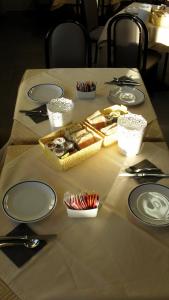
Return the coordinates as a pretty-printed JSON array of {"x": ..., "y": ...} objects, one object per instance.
[
  {"x": 142, "y": 44},
  {"x": 49, "y": 36}
]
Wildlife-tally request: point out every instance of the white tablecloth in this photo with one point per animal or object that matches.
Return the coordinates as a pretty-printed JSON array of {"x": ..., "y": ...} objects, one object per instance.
[
  {"x": 108, "y": 257},
  {"x": 67, "y": 79}
]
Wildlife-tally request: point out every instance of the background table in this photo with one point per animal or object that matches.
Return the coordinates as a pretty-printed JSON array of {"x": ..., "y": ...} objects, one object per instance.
[{"x": 157, "y": 35}]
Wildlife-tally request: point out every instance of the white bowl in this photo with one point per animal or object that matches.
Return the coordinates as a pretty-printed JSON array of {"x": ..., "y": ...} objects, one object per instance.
[{"x": 82, "y": 213}]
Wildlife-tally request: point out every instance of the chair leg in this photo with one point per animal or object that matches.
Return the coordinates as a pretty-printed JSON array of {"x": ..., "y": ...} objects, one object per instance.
[
  {"x": 95, "y": 53},
  {"x": 165, "y": 67}
]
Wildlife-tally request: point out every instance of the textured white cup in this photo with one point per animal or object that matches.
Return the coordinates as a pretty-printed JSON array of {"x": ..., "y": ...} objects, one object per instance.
[
  {"x": 60, "y": 112},
  {"x": 130, "y": 132}
]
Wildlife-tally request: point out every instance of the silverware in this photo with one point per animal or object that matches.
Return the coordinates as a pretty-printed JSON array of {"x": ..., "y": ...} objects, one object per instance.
[
  {"x": 137, "y": 170},
  {"x": 160, "y": 175},
  {"x": 33, "y": 112},
  {"x": 28, "y": 237},
  {"x": 123, "y": 81},
  {"x": 31, "y": 243}
]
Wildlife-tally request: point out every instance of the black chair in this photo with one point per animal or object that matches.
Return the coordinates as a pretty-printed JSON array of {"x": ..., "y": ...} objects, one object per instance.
[
  {"x": 127, "y": 45},
  {"x": 90, "y": 18},
  {"x": 107, "y": 9},
  {"x": 67, "y": 45}
]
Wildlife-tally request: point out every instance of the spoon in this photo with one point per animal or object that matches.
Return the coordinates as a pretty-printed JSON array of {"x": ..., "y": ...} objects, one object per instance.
[{"x": 31, "y": 243}]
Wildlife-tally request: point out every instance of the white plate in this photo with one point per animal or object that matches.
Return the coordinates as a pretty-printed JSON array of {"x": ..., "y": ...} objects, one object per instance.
[
  {"x": 29, "y": 201},
  {"x": 149, "y": 203},
  {"x": 126, "y": 95},
  {"x": 43, "y": 93}
]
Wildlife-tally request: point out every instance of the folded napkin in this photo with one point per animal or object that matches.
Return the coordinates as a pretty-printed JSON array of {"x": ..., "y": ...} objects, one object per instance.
[
  {"x": 19, "y": 255},
  {"x": 145, "y": 164},
  {"x": 38, "y": 117}
]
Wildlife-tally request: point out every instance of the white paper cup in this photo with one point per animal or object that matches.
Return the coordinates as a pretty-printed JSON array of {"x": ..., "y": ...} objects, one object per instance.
[
  {"x": 60, "y": 112},
  {"x": 130, "y": 132}
]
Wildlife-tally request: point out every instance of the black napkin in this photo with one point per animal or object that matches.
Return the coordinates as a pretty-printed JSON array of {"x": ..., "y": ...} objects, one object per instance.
[
  {"x": 145, "y": 164},
  {"x": 38, "y": 117},
  {"x": 19, "y": 255}
]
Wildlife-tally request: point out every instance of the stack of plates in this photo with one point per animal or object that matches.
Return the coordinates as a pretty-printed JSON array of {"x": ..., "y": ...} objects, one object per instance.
[{"x": 149, "y": 203}]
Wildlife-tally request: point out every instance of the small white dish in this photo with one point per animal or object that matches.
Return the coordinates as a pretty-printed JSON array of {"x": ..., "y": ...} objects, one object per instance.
[
  {"x": 128, "y": 96},
  {"x": 149, "y": 203},
  {"x": 29, "y": 201},
  {"x": 82, "y": 213},
  {"x": 86, "y": 95},
  {"x": 43, "y": 93},
  {"x": 132, "y": 10}
]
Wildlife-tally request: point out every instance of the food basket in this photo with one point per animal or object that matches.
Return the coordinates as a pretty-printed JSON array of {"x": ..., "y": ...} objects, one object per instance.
[
  {"x": 111, "y": 136},
  {"x": 74, "y": 158}
]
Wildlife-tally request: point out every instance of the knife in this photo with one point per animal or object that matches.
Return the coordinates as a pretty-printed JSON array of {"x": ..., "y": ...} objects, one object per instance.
[
  {"x": 28, "y": 237},
  {"x": 34, "y": 112},
  {"x": 160, "y": 175}
]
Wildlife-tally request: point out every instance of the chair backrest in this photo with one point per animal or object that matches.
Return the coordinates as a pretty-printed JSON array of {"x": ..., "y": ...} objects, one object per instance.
[
  {"x": 67, "y": 45},
  {"x": 127, "y": 42},
  {"x": 89, "y": 14}
]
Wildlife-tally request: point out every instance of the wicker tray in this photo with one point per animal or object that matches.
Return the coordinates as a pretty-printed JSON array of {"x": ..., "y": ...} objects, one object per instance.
[
  {"x": 75, "y": 158},
  {"x": 159, "y": 18},
  {"x": 112, "y": 138}
]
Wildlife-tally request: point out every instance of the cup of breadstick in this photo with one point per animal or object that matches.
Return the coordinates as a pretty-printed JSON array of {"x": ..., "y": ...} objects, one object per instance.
[{"x": 86, "y": 89}]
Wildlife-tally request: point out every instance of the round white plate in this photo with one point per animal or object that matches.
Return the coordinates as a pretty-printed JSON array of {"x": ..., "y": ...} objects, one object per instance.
[
  {"x": 29, "y": 201},
  {"x": 149, "y": 203},
  {"x": 126, "y": 95},
  {"x": 43, "y": 93}
]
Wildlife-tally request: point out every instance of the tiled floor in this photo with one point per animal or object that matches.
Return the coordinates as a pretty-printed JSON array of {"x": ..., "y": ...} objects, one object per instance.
[{"x": 22, "y": 47}]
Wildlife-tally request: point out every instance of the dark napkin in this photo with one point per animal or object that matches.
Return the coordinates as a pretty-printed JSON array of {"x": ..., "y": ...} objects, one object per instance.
[
  {"x": 19, "y": 255},
  {"x": 145, "y": 164},
  {"x": 38, "y": 117}
]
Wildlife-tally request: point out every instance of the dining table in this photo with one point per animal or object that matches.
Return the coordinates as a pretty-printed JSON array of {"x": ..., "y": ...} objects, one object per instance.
[
  {"x": 157, "y": 34},
  {"x": 25, "y": 131},
  {"x": 112, "y": 256}
]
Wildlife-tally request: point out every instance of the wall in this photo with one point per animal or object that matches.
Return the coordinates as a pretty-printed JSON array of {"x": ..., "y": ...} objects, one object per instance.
[{"x": 8, "y": 5}]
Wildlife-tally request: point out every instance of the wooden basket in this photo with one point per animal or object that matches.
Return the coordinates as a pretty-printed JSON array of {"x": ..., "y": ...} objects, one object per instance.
[
  {"x": 75, "y": 158},
  {"x": 107, "y": 139}
]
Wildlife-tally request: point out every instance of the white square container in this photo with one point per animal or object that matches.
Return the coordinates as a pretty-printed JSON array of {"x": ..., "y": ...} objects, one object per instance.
[
  {"x": 82, "y": 213},
  {"x": 86, "y": 95}
]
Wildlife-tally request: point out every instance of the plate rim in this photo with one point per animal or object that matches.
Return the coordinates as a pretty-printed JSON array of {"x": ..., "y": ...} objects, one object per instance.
[
  {"x": 40, "y": 84},
  {"x": 130, "y": 209},
  {"x": 34, "y": 220},
  {"x": 128, "y": 104}
]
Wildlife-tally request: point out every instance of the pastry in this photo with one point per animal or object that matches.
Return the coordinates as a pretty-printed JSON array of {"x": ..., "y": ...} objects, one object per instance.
[{"x": 97, "y": 120}]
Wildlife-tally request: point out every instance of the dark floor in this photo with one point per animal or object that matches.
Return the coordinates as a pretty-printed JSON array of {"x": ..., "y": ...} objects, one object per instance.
[{"x": 22, "y": 47}]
